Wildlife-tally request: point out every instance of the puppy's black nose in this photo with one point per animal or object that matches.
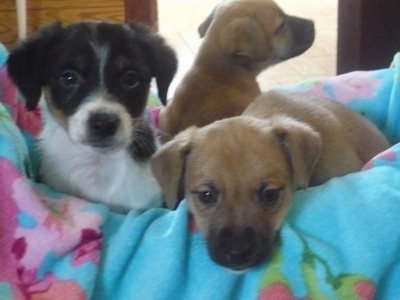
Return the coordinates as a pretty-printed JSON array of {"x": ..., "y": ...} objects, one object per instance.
[
  {"x": 238, "y": 255},
  {"x": 103, "y": 124},
  {"x": 240, "y": 248},
  {"x": 237, "y": 248}
]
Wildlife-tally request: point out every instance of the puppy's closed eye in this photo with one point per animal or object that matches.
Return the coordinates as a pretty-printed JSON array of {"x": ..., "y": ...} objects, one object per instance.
[{"x": 282, "y": 28}]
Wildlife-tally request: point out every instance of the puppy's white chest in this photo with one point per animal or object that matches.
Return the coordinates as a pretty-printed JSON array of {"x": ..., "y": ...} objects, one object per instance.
[{"x": 113, "y": 178}]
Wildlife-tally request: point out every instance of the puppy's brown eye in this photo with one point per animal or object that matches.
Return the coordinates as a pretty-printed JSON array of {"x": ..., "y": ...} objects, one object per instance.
[
  {"x": 207, "y": 197},
  {"x": 130, "y": 80},
  {"x": 269, "y": 196},
  {"x": 70, "y": 79}
]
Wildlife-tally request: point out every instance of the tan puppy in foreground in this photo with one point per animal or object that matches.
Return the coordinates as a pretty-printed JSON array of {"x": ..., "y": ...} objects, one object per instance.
[
  {"x": 241, "y": 39},
  {"x": 239, "y": 174}
]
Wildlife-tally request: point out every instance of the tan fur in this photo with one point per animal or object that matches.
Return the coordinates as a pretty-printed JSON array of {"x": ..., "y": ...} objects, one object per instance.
[
  {"x": 241, "y": 39},
  {"x": 346, "y": 136},
  {"x": 280, "y": 143},
  {"x": 58, "y": 115}
]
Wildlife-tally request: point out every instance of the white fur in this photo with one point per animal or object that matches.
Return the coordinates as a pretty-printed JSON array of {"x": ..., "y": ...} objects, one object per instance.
[
  {"x": 77, "y": 127},
  {"x": 113, "y": 177}
]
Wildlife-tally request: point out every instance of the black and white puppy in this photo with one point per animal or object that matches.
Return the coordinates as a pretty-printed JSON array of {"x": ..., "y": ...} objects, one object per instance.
[{"x": 95, "y": 79}]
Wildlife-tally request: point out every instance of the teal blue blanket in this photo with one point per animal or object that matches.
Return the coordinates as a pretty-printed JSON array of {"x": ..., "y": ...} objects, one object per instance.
[{"x": 341, "y": 240}]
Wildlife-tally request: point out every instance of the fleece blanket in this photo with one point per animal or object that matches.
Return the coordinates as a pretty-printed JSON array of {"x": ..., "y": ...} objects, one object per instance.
[{"x": 341, "y": 240}]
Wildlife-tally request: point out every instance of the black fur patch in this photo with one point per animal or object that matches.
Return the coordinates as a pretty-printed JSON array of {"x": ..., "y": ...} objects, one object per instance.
[
  {"x": 143, "y": 145},
  {"x": 43, "y": 59}
]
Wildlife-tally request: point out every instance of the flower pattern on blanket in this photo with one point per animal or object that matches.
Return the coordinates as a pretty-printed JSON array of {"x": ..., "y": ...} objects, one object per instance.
[
  {"x": 317, "y": 278},
  {"x": 345, "y": 88},
  {"x": 38, "y": 233},
  {"x": 26, "y": 121}
]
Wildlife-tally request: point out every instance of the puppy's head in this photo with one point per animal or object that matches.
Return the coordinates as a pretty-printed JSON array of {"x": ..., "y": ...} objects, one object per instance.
[
  {"x": 238, "y": 176},
  {"x": 257, "y": 34},
  {"x": 95, "y": 77}
]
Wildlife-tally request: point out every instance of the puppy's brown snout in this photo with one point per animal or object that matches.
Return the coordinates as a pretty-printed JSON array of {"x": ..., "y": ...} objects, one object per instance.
[{"x": 103, "y": 124}]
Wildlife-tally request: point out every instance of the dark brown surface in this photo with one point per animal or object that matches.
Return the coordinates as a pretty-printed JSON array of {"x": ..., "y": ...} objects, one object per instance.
[
  {"x": 368, "y": 34},
  {"x": 144, "y": 11},
  {"x": 41, "y": 12}
]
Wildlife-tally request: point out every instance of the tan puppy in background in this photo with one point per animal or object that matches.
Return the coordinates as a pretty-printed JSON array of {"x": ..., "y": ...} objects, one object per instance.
[
  {"x": 241, "y": 39},
  {"x": 239, "y": 174}
]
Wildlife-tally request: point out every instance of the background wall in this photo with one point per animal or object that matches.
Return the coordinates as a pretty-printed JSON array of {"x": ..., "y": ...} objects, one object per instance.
[{"x": 46, "y": 11}]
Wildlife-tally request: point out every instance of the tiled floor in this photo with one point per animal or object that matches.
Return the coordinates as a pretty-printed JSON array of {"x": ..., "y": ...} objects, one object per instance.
[{"x": 178, "y": 24}]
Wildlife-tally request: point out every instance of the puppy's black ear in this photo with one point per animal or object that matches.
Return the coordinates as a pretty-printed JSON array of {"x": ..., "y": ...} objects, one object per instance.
[
  {"x": 161, "y": 58},
  {"x": 168, "y": 165},
  {"x": 26, "y": 63}
]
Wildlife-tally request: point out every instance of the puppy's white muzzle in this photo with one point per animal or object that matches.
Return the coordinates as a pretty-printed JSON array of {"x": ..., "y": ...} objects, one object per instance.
[{"x": 101, "y": 125}]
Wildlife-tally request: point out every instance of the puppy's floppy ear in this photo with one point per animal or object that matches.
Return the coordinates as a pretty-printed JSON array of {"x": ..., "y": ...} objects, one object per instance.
[
  {"x": 161, "y": 58},
  {"x": 26, "y": 63},
  {"x": 302, "y": 146},
  {"x": 203, "y": 27},
  {"x": 244, "y": 39},
  {"x": 168, "y": 166}
]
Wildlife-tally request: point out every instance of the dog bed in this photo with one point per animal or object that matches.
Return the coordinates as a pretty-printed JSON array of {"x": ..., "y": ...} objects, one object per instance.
[{"x": 341, "y": 240}]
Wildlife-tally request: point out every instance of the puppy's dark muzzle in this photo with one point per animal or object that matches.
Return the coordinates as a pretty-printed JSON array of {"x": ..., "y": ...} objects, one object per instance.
[
  {"x": 238, "y": 249},
  {"x": 303, "y": 35},
  {"x": 103, "y": 125}
]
